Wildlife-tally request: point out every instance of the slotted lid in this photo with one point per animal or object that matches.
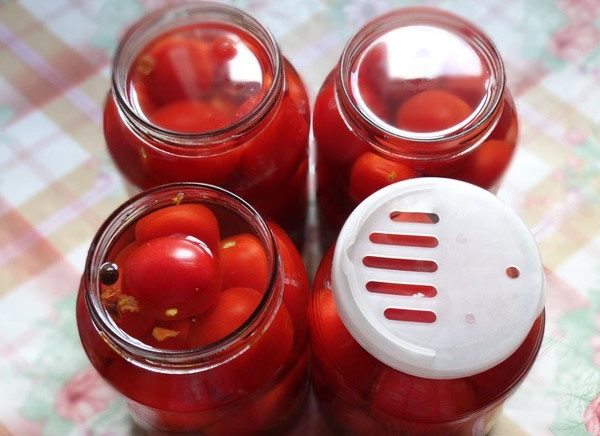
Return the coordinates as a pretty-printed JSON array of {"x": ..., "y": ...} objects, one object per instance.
[{"x": 437, "y": 278}]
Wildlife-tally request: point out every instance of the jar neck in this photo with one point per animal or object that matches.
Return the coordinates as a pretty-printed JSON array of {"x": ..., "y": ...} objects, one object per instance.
[
  {"x": 192, "y": 360},
  {"x": 163, "y": 20},
  {"x": 425, "y": 146}
]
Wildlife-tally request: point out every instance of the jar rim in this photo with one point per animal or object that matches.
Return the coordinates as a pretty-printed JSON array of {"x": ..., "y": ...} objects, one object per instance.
[
  {"x": 167, "y": 18},
  {"x": 410, "y": 142},
  {"x": 194, "y": 359}
]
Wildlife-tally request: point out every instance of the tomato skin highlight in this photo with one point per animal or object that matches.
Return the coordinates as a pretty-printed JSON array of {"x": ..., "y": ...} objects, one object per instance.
[
  {"x": 187, "y": 219},
  {"x": 431, "y": 111},
  {"x": 173, "y": 277},
  {"x": 244, "y": 262},
  {"x": 372, "y": 172}
]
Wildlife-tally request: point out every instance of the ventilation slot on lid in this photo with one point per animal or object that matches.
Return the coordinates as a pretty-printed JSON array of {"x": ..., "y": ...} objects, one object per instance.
[{"x": 405, "y": 289}]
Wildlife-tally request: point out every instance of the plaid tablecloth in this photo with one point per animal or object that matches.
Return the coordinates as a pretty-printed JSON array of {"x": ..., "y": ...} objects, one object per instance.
[{"x": 57, "y": 185}]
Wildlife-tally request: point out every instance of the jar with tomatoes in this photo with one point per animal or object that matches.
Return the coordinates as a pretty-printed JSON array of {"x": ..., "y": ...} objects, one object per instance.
[
  {"x": 416, "y": 92},
  {"x": 427, "y": 313},
  {"x": 195, "y": 309},
  {"x": 201, "y": 93}
]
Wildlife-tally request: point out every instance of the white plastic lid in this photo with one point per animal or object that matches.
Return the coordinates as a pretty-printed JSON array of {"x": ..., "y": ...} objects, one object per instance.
[{"x": 437, "y": 278}]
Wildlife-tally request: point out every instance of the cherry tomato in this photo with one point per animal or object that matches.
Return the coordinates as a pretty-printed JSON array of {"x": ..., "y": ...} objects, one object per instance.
[
  {"x": 431, "y": 111},
  {"x": 169, "y": 335},
  {"x": 233, "y": 307},
  {"x": 272, "y": 156},
  {"x": 187, "y": 219},
  {"x": 333, "y": 342},
  {"x": 372, "y": 172},
  {"x": 173, "y": 277},
  {"x": 270, "y": 409},
  {"x": 487, "y": 163},
  {"x": 295, "y": 295},
  {"x": 244, "y": 262},
  {"x": 223, "y": 48},
  {"x": 421, "y": 399},
  {"x": 336, "y": 142},
  {"x": 190, "y": 116},
  {"x": 264, "y": 357},
  {"x": 178, "y": 69}
]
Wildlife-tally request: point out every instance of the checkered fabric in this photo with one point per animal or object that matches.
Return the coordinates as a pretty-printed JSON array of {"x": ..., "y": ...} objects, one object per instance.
[{"x": 57, "y": 185}]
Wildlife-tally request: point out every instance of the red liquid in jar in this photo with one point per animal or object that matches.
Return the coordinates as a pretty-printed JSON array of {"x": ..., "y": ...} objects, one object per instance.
[
  {"x": 180, "y": 288},
  {"x": 361, "y": 395},
  {"x": 413, "y": 100},
  {"x": 208, "y": 80}
]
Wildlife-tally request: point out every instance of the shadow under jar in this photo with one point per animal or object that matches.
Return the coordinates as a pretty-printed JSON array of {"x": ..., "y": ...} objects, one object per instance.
[
  {"x": 201, "y": 93},
  {"x": 204, "y": 327},
  {"x": 417, "y": 92},
  {"x": 427, "y": 313}
]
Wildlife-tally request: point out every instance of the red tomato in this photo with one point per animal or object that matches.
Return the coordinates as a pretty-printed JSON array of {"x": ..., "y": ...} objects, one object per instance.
[
  {"x": 264, "y": 357},
  {"x": 411, "y": 398},
  {"x": 295, "y": 295},
  {"x": 223, "y": 48},
  {"x": 173, "y": 277},
  {"x": 190, "y": 116},
  {"x": 488, "y": 163},
  {"x": 330, "y": 337},
  {"x": 244, "y": 263},
  {"x": 233, "y": 307},
  {"x": 268, "y": 411},
  {"x": 169, "y": 335},
  {"x": 273, "y": 155},
  {"x": 372, "y": 172},
  {"x": 186, "y": 219},
  {"x": 431, "y": 111},
  {"x": 178, "y": 69},
  {"x": 336, "y": 142},
  {"x": 268, "y": 355}
]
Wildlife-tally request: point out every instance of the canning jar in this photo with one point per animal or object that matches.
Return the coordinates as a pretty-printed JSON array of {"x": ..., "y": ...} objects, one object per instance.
[
  {"x": 427, "y": 313},
  {"x": 201, "y": 93},
  {"x": 195, "y": 309},
  {"x": 416, "y": 92}
]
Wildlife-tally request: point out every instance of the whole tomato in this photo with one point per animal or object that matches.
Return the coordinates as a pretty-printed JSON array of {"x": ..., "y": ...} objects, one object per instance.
[
  {"x": 244, "y": 262},
  {"x": 187, "y": 219},
  {"x": 173, "y": 277}
]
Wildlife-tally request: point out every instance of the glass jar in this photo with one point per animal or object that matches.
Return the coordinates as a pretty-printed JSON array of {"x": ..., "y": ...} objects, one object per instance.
[
  {"x": 417, "y": 326},
  {"x": 201, "y": 93},
  {"x": 417, "y": 92},
  {"x": 203, "y": 373}
]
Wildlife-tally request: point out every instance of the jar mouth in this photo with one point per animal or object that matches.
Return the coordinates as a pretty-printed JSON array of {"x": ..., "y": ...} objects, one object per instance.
[
  {"x": 166, "y": 19},
  {"x": 194, "y": 359},
  {"x": 414, "y": 67}
]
